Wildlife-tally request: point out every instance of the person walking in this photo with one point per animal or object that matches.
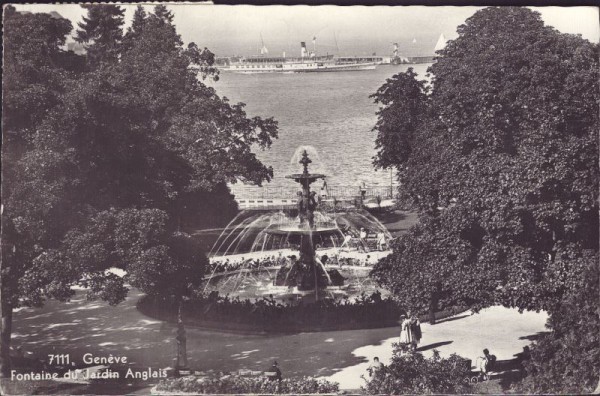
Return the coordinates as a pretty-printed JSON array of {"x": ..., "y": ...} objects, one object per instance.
[
  {"x": 381, "y": 242},
  {"x": 415, "y": 332},
  {"x": 485, "y": 364},
  {"x": 346, "y": 242},
  {"x": 405, "y": 336}
]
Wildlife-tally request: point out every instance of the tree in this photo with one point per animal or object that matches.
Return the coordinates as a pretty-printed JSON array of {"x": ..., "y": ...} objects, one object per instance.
[
  {"x": 150, "y": 114},
  {"x": 503, "y": 168},
  {"x": 139, "y": 19},
  {"x": 159, "y": 262},
  {"x": 173, "y": 274},
  {"x": 435, "y": 267},
  {"x": 135, "y": 30},
  {"x": 101, "y": 32},
  {"x": 34, "y": 205},
  {"x": 106, "y": 168},
  {"x": 403, "y": 101}
]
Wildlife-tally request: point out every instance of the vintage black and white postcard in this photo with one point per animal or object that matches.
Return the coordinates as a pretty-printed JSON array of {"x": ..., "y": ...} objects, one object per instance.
[{"x": 239, "y": 199}]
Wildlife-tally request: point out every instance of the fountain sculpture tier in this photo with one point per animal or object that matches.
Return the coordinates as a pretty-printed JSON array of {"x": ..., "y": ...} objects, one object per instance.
[{"x": 307, "y": 272}]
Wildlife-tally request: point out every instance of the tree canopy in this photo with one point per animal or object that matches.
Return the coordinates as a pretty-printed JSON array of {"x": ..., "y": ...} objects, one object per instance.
[
  {"x": 503, "y": 166},
  {"x": 103, "y": 164}
]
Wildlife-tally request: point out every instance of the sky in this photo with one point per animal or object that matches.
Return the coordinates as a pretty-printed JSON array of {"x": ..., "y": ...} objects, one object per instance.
[{"x": 352, "y": 30}]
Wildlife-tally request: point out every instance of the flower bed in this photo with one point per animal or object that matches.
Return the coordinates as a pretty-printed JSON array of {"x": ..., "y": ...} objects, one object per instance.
[
  {"x": 266, "y": 314},
  {"x": 235, "y": 384}
]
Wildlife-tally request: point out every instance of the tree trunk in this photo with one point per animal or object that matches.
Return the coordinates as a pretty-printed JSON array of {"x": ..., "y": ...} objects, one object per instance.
[
  {"x": 433, "y": 307},
  {"x": 5, "y": 336},
  {"x": 181, "y": 338},
  {"x": 431, "y": 315}
]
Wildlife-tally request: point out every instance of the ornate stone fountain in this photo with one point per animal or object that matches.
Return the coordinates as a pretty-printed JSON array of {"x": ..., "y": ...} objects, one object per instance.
[
  {"x": 305, "y": 235},
  {"x": 307, "y": 272}
]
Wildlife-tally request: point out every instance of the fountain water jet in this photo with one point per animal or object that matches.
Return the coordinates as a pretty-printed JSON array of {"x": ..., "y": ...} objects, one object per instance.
[
  {"x": 306, "y": 274},
  {"x": 292, "y": 233}
]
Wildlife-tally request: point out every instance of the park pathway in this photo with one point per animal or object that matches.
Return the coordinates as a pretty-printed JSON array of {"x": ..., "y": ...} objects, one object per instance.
[
  {"x": 82, "y": 326},
  {"x": 503, "y": 331}
]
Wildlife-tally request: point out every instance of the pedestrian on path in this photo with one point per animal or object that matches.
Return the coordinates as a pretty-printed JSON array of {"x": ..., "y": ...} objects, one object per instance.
[
  {"x": 485, "y": 363},
  {"x": 415, "y": 332},
  {"x": 375, "y": 367},
  {"x": 405, "y": 338},
  {"x": 410, "y": 332}
]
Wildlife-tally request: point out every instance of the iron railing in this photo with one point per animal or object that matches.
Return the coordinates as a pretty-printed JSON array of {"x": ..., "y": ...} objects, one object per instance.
[{"x": 332, "y": 192}]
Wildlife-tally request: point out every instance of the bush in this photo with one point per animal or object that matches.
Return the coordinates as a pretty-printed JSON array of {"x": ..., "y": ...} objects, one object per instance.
[
  {"x": 412, "y": 373},
  {"x": 235, "y": 384}
]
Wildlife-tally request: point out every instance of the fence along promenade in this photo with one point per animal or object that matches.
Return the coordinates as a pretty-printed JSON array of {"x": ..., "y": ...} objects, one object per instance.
[{"x": 253, "y": 197}]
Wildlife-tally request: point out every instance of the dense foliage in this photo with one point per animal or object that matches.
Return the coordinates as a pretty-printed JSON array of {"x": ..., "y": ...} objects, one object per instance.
[
  {"x": 503, "y": 166},
  {"x": 567, "y": 358},
  {"x": 106, "y": 155},
  {"x": 412, "y": 373},
  {"x": 268, "y": 314},
  {"x": 403, "y": 106},
  {"x": 234, "y": 384}
]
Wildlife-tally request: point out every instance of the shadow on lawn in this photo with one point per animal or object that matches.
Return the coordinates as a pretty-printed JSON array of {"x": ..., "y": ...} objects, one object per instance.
[
  {"x": 78, "y": 327},
  {"x": 390, "y": 217},
  {"x": 450, "y": 319},
  {"x": 397, "y": 222},
  {"x": 511, "y": 372},
  {"x": 82, "y": 326},
  {"x": 434, "y": 345},
  {"x": 505, "y": 374},
  {"x": 534, "y": 337}
]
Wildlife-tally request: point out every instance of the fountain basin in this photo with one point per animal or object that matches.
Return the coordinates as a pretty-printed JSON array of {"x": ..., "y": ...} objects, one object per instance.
[{"x": 258, "y": 283}]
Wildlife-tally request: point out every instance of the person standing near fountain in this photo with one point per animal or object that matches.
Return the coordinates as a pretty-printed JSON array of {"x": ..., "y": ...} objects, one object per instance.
[
  {"x": 363, "y": 240},
  {"x": 347, "y": 239},
  {"x": 323, "y": 194},
  {"x": 381, "y": 242}
]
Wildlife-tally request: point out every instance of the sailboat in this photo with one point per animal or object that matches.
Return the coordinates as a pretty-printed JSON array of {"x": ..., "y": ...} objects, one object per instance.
[
  {"x": 441, "y": 43},
  {"x": 263, "y": 48}
]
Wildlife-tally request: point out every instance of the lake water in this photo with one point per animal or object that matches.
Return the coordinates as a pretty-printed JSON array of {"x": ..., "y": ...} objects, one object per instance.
[{"x": 330, "y": 111}]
